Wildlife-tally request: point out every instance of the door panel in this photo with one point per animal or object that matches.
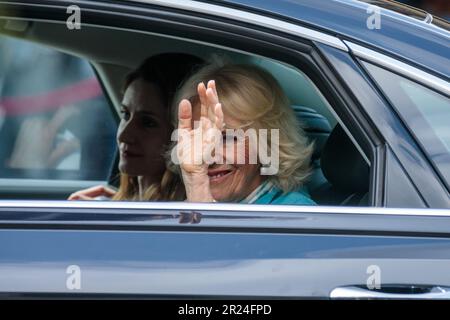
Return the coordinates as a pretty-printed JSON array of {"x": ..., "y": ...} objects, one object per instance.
[{"x": 159, "y": 252}]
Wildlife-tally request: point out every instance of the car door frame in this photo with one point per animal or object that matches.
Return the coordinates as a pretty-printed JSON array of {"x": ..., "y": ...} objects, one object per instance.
[{"x": 296, "y": 46}]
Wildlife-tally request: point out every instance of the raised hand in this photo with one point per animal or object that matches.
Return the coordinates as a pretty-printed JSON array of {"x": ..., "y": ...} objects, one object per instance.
[{"x": 196, "y": 144}]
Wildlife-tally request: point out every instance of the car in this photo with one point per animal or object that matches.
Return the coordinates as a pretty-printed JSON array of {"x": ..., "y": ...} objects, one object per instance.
[{"x": 370, "y": 82}]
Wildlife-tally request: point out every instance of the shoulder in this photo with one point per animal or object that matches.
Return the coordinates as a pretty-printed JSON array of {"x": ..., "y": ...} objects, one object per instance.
[{"x": 293, "y": 197}]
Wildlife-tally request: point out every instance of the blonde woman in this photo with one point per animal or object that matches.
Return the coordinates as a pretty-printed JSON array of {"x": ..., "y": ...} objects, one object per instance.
[
  {"x": 144, "y": 132},
  {"x": 216, "y": 102}
]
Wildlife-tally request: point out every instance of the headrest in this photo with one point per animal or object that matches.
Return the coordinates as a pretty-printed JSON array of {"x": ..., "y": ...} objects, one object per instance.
[
  {"x": 343, "y": 165},
  {"x": 316, "y": 127}
]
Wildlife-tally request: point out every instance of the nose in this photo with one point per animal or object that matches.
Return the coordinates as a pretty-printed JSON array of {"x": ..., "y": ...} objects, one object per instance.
[{"x": 126, "y": 133}]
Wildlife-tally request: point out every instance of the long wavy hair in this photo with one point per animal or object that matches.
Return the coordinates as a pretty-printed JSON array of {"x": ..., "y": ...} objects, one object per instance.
[{"x": 167, "y": 71}]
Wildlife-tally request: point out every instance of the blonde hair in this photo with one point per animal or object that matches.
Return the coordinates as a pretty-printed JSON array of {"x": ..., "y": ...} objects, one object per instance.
[{"x": 253, "y": 96}]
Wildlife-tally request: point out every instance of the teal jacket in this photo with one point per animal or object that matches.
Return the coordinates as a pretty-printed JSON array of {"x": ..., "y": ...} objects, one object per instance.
[
  {"x": 270, "y": 194},
  {"x": 276, "y": 196}
]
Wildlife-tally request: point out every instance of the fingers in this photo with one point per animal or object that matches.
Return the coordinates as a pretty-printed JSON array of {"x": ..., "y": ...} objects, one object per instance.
[
  {"x": 218, "y": 112},
  {"x": 185, "y": 115},
  {"x": 212, "y": 100},
  {"x": 75, "y": 197},
  {"x": 90, "y": 193},
  {"x": 208, "y": 98},
  {"x": 201, "y": 90},
  {"x": 211, "y": 94},
  {"x": 214, "y": 108},
  {"x": 212, "y": 85}
]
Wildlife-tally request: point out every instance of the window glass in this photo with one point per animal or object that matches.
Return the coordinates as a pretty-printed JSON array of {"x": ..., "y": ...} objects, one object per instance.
[
  {"x": 426, "y": 112},
  {"x": 55, "y": 122}
]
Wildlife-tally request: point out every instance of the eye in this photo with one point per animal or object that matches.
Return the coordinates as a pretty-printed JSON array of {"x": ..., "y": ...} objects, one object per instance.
[
  {"x": 149, "y": 122},
  {"x": 125, "y": 114}
]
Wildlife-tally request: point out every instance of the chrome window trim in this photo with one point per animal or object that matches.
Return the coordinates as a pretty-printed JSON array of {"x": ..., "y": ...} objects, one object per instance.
[
  {"x": 399, "y": 67},
  {"x": 236, "y": 207},
  {"x": 251, "y": 18},
  {"x": 12, "y": 184}
]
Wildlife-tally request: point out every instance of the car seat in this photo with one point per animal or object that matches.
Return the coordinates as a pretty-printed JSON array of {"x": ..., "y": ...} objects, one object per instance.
[{"x": 340, "y": 175}]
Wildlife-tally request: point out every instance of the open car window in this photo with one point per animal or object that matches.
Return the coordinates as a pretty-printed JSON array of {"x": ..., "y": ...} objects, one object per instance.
[
  {"x": 55, "y": 122},
  {"x": 64, "y": 129}
]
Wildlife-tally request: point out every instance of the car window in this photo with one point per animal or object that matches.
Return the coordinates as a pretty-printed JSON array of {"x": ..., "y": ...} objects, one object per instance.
[
  {"x": 426, "y": 113},
  {"x": 327, "y": 183},
  {"x": 55, "y": 122}
]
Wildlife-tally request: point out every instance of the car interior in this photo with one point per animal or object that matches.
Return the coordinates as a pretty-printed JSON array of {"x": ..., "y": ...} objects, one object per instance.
[{"x": 340, "y": 174}]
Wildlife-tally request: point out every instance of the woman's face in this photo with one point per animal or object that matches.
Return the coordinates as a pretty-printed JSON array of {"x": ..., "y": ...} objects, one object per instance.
[
  {"x": 232, "y": 181},
  {"x": 143, "y": 131}
]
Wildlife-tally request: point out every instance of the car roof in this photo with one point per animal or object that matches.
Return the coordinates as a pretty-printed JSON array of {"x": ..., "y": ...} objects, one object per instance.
[{"x": 402, "y": 32}]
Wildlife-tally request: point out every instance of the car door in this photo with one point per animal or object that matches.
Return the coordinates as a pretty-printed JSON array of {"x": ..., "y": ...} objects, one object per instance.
[
  {"x": 168, "y": 250},
  {"x": 221, "y": 251}
]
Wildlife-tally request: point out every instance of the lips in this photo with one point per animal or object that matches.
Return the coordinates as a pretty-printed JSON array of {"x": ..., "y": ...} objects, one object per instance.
[
  {"x": 218, "y": 175},
  {"x": 130, "y": 154}
]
